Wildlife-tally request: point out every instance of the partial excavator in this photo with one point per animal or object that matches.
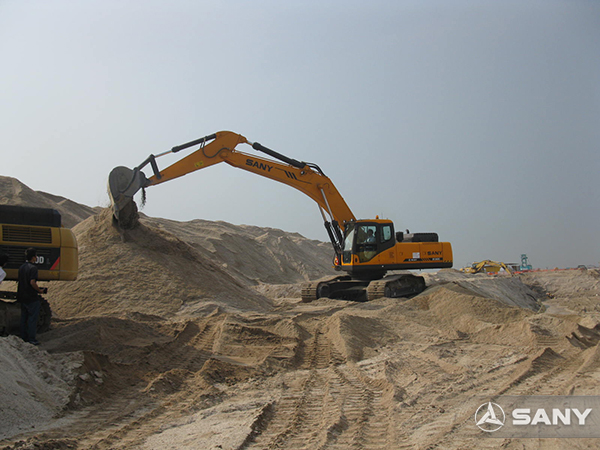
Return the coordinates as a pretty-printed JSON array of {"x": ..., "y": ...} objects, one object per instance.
[
  {"x": 487, "y": 266},
  {"x": 57, "y": 257},
  {"x": 366, "y": 249}
]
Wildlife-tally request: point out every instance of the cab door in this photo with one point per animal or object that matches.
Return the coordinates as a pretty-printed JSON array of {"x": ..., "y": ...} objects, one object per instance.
[{"x": 372, "y": 242}]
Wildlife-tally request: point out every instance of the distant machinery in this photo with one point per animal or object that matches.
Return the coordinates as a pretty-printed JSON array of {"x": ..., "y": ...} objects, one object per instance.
[
  {"x": 525, "y": 263},
  {"x": 488, "y": 266}
]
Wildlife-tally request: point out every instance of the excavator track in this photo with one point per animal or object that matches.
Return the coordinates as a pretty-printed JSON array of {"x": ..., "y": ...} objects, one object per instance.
[
  {"x": 10, "y": 314},
  {"x": 314, "y": 290},
  {"x": 309, "y": 291},
  {"x": 346, "y": 288},
  {"x": 396, "y": 286}
]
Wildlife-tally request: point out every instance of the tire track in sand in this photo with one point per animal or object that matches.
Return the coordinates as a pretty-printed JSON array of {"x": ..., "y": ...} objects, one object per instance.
[
  {"x": 298, "y": 415},
  {"x": 143, "y": 411},
  {"x": 335, "y": 407}
]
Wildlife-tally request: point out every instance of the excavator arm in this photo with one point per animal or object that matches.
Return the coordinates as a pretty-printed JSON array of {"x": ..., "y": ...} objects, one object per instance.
[{"x": 308, "y": 178}]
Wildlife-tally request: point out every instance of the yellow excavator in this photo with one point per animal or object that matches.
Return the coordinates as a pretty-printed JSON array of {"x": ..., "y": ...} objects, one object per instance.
[
  {"x": 22, "y": 227},
  {"x": 487, "y": 266},
  {"x": 365, "y": 249}
]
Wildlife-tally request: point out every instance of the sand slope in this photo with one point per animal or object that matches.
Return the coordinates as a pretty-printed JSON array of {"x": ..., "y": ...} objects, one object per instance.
[
  {"x": 330, "y": 374},
  {"x": 145, "y": 270},
  {"x": 254, "y": 254},
  {"x": 177, "y": 342},
  {"x": 13, "y": 192}
]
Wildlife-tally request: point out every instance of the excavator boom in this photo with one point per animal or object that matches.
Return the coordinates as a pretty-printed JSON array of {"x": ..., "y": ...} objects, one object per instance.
[{"x": 124, "y": 183}]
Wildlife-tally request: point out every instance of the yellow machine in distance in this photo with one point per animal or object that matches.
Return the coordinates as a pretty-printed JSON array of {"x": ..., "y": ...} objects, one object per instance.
[
  {"x": 366, "y": 249},
  {"x": 487, "y": 266}
]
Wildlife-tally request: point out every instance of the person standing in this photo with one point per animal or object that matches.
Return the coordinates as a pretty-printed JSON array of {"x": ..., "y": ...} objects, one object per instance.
[{"x": 28, "y": 294}]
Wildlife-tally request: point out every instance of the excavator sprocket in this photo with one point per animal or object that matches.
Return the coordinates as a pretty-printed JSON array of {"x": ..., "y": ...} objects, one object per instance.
[{"x": 396, "y": 286}]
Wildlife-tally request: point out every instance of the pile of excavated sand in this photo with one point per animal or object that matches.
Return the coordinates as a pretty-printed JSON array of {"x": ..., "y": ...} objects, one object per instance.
[
  {"x": 254, "y": 255},
  {"x": 34, "y": 385},
  {"x": 504, "y": 288},
  {"x": 146, "y": 270},
  {"x": 13, "y": 192},
  {"x": 566, "y": 283}
]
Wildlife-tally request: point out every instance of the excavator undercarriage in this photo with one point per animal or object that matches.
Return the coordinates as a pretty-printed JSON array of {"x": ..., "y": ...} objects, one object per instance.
[
  {"x": 10, "y": 314},
  {"x": 346, "y": 288}
]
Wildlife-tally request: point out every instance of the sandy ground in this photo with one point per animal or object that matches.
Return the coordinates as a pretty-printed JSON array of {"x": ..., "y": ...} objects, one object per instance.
[{"x": 193, "y": 336}]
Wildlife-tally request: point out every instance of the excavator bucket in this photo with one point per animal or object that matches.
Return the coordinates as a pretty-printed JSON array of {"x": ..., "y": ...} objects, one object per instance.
[{"x": 123, "y": 184}]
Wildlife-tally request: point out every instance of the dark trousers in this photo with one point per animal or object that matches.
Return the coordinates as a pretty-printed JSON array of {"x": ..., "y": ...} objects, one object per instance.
[{"x": 29, "y": 319}]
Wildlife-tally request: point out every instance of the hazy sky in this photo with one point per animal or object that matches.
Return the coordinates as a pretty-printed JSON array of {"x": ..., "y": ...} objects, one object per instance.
[{"x": 479, "y": 120}]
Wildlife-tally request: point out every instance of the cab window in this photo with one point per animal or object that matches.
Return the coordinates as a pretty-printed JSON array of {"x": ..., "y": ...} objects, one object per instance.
[
  {"x": 347, "y": 251},
  {"x": 386, "y": 233},
  {"x": 367, "y": 234},
  {"x": 366, "y": 242}
]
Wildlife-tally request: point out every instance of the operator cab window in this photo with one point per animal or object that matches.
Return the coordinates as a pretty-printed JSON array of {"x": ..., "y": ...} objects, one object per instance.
[
  {"x": 347, "y": 251},
  {"x": 366, "y": 242},
  {"x": 386, "y": 233},
  {"x": 367, "y": 234}
]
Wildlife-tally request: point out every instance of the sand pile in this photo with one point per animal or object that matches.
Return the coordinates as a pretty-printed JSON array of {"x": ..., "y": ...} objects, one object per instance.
[
  {"x": 504, "y": 288},
  {"x": 13, "y": 192},
  {"x": 177, "y": 348},
  {"x": 35, "y": 385},
  {"x": 146, "y": 270},
  {"x": 165, "y": 267},
  {"x": 254, "y": 255}
]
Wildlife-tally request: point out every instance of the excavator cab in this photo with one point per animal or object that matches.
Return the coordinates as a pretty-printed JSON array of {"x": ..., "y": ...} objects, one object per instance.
[
  {"x": 372, "y": 247},
  {"x": 369, "y": 250},
  {"x": 366, "y": 239}
]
